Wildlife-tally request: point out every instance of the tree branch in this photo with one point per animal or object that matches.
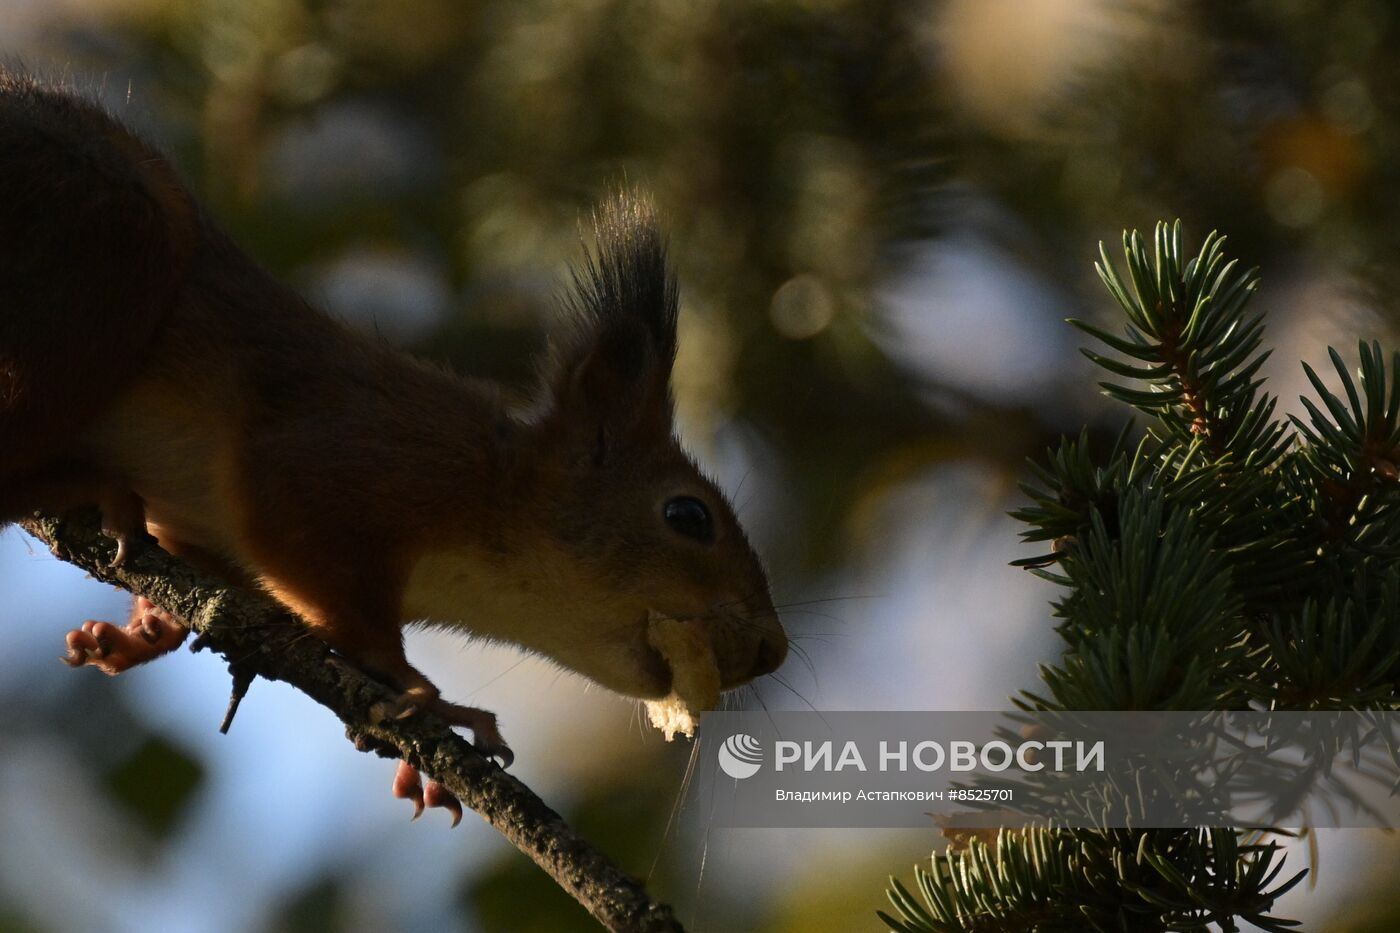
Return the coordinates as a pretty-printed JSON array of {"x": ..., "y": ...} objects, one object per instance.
[{"x": 258, "y": 637}]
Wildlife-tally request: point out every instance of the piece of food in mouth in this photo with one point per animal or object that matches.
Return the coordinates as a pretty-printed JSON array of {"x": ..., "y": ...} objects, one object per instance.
[{"x": 694, "y": 675}]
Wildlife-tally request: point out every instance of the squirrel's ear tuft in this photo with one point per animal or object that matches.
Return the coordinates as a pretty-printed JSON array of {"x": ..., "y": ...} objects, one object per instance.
[
  {"x": 625, "y": 281},
  {"x": 614, "y": 355}
]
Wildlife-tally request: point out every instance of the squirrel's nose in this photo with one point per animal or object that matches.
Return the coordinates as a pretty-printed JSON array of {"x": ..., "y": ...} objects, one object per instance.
[{"x": 772, "y": 651}]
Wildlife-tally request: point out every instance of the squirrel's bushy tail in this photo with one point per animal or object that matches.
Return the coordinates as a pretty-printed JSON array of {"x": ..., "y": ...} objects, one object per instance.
[{"x": 95, "y": 229}]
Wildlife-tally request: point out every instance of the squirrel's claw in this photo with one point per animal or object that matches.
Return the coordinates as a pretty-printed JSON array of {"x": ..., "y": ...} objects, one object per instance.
[
  {"x": 123, "y": 519},
  {"x": 408, "y": 785},
  {"x": 120, "y": 558},
  {"x": 404, "y": 705},
  {"x": 499, "y": 752},
  {"x": 435, "y": 795},
  {"x": 395, "y": 709}
]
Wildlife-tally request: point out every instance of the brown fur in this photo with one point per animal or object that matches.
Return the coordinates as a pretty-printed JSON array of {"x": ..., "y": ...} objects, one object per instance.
[
  {"x": 101, "y": 280},
  {"x": 142, "y": 352}
]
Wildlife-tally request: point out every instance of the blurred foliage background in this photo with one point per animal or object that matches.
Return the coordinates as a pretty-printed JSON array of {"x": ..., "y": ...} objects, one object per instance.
[{"x": 880, "y": 211}]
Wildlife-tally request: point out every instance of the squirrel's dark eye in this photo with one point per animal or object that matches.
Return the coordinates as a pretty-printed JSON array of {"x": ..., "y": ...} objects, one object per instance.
[{"x": 689, "y": 516}]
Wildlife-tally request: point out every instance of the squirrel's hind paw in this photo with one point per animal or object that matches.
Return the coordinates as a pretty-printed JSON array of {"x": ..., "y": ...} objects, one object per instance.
[
  {"x": 150, "y": 633},
  {"x": 408, "y": 785}
]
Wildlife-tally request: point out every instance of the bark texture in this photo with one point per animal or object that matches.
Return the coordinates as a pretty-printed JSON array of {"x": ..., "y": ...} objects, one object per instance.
[{"x": 259, "y": 638}]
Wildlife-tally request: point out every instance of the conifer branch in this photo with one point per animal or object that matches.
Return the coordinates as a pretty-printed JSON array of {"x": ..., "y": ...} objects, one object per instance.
[{"x": 1226, "y": 559}]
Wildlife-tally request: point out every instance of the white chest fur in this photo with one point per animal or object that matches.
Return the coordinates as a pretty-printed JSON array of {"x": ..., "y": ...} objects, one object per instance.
[{"x": 542, "y": 600}]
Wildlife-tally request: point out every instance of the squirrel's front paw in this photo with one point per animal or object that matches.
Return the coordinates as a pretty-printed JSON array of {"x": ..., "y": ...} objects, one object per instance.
[
  {"x": 486, "y": 738},
  {"x": 406, "y": 704}
]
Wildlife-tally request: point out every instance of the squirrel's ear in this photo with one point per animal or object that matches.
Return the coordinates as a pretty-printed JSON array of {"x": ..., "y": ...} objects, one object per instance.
[{"x": 610, "y": 369}]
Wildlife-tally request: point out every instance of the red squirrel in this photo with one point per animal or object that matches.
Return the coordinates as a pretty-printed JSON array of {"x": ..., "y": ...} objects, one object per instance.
[{"x": 150, "y": 367}]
